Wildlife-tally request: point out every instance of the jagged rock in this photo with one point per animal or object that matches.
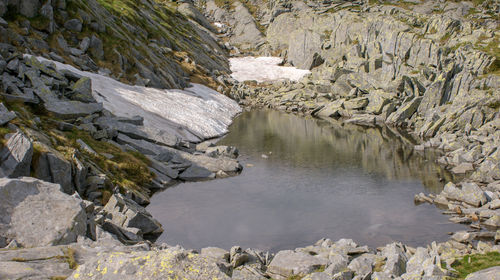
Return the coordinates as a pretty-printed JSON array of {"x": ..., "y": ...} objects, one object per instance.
[
  {"x": 96, "y": 47},
  {"x": 38, "y": 213},
  {"x": 288, "y": 263},
  {"x": 5, "y": 115},
  {"x": 362, "y": 265},
  {"x": 49, "y": 165},
  {"x": 82, "y": 91},
  {"x": 404, "y": 112},
  {"x": 15, "y": 157},
  {"x": 128, "y": 220}
]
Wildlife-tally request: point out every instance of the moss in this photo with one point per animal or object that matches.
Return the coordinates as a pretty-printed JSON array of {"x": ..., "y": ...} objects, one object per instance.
[
  {"x": 472, "y": 263},
  {"x": 69, "y": 255},
  {"x": 58, "y": 277}
]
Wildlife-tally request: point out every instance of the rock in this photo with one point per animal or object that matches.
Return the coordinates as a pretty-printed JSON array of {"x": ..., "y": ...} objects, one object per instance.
[
  {"x": 38, "y": 213},
  {"x": 196, "y": 173},
  {"x": 72, "y": 109},
  {"x": 84, "y": 44},
  {"x": 170, "y": 263},
  {"x": 304, "y": 49},
  {"x": 470, "y": 193},
  {"x": 86, "y": 147},
  {"x": 15, "y": 157},
  {"x": 128, "y": 220},
  {"x": 463, "y": 168},
  {"x": 82, "y": 91},
  {"x": 404, "y": 112},
  {"x": 362, "y": 265},
  {"x": 49, "y": 165},
  {"x": 492, "y": 273},
  {"x": 6, "y": 115},
  {"x": 29, "y": 8},
  {"x": 289, "y": 263},
  {"x": 96, "y": 47},
  {"x": 493, "y": 222},
  {"x": 356, "y": 103},
  {"x": 74, "y": 25},
  {"x": 216, "y": 253}
]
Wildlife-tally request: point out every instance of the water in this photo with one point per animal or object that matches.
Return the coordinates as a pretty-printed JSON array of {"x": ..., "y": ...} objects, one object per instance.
[{"x": 317, "y": 179}]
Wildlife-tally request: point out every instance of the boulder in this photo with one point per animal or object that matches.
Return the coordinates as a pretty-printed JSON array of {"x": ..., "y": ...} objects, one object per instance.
[
  {"x": 404, "y": 112},
  {"x": 74, "y": 25},
  {"x": 492, "y": 273},
  {"x": 470, "y": 193},
  {"x": 289, "y": 263},
  {"x": 82, "y": 90},
  {"x": 128, "y": 220},
  {"x": 50, "y": 165},
  {"x": 304, "y": 49},
  {"x": 15, "y": 157},
  {"x": 170, "y": 263},
  {"x": 29, "y": 8},
  {"x": 96, "y": 47},
  {"x": 38, "y": 213},
  {"x": 196, "y": 173},
  {"x": 6, "y": 115}
]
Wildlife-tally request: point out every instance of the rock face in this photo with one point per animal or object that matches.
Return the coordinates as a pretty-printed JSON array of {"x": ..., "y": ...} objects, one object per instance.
[
  {"x": 15, "y": 157},
  {"x": 38, "y": 213}
]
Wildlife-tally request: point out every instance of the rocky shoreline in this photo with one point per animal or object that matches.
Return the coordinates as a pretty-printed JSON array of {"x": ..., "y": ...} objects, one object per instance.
[{"x": 76, "y": 174}]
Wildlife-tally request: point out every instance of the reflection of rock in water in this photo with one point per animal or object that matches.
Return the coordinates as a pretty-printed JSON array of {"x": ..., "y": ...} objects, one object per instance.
[{"x": 375, "y": 150}]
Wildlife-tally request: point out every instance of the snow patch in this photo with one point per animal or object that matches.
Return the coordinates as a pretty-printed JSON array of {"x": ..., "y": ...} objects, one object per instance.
[
  {"x": 192, "y": 114},
  {"x": 263, "y": 69}
]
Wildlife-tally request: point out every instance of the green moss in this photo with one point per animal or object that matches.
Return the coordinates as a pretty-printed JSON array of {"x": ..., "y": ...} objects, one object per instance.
[{"x": 472, "y": 263}]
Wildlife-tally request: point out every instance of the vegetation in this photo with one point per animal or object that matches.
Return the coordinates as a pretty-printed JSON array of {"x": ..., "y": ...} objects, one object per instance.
[{"x": 472, "y": 263}]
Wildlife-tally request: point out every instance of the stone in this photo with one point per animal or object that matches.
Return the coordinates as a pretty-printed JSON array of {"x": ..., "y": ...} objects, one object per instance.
[
  {"x": 404, "y": 112},
  {"x": 123, "y": 216},
  {"x": 6, "y": 115},
  {"x": 493, "y": 222},
  {"x": 216, "y": 253},
  {"x": 356, "y": 103},
  {"x": 96, "y": 47},
  {"x": 84, "y": 44},
  {"x": 289, "y": 263},
  {"x": 196, "y": 173},
  {"x": 29, "y": 8},
  {"x": 170, "y": 263},
  {"x": 74, "y": 25},
  {"x": 85, "y": 147},
  {"x": 470, "y": 193},
  {"x": 362, "y": 265},
  {"x": 304, "y": 49},
  {"x": 38, "y": 213},
  {"x": 72, "y": 109},
  {"x": 492, "y": 273},
  {"x": 82, "y": 90},
  {"x": 50, "y": 165},
  {"x": 463, "y": 168},
  {"x": 15, "y": 157}
]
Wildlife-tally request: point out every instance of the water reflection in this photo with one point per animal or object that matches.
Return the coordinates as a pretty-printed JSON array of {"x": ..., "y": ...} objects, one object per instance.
[{"x": 318, "y": 179}]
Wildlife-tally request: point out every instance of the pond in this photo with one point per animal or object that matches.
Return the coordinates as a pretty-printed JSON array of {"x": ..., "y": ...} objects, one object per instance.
[{"x": 305, "y": 179}]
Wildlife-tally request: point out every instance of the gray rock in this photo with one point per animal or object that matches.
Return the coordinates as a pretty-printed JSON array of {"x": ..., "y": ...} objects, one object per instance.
[
  {"x": 74, "y": 25},
  {"x": 492, "y": 273},
  {"x": 289, "y": 263},
  {"x": 29, "y": 8},
  {"x": 125, "y": 216},
  {"x": 470, "y": 193},
  {"x": 304, "y": 49},
  {"x": 84, "y": 44},
  {"x": 82, "y": 91},
  {"x": 404, "y": 112},
  {"x": 6, "y": 115},
  {"x": 196, "y": 173},
  {"x": 72, "y": 109},
  {"x": 493, "y": 222},
  {"x": 50, "y": 165},
  {"x": 38, "y": 213},
  {"x": 362, "y": 265},
  {"x": 216, "y": 253},
  {"x": 15, "y": 158},
  {"x": 96, "y": 47}
]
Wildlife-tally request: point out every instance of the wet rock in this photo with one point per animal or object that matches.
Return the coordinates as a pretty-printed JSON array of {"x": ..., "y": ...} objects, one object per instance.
[
  {"x": 16, "y": 156},
  {"x": 38, "y": 213}
]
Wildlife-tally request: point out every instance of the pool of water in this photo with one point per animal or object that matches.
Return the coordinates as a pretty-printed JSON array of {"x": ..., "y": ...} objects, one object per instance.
[{"x": 305, "y": 179}]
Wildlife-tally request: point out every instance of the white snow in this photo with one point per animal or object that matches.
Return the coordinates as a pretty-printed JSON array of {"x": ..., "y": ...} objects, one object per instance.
[
  {"x": 192, "y": 114},
  {"x": 263, "y": 69}
]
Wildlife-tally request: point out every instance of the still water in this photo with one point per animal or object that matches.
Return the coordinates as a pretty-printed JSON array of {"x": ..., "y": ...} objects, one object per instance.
[{"x": 305, "y": 179}]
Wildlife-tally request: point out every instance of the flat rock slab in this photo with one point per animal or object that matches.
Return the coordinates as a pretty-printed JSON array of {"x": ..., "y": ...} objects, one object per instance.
[
  {"x": 72, "y": 109},
  {"x": 492, "y": 273},
  {"x": 171, "y": 263},
  {"x": 38, "y": 213}
]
